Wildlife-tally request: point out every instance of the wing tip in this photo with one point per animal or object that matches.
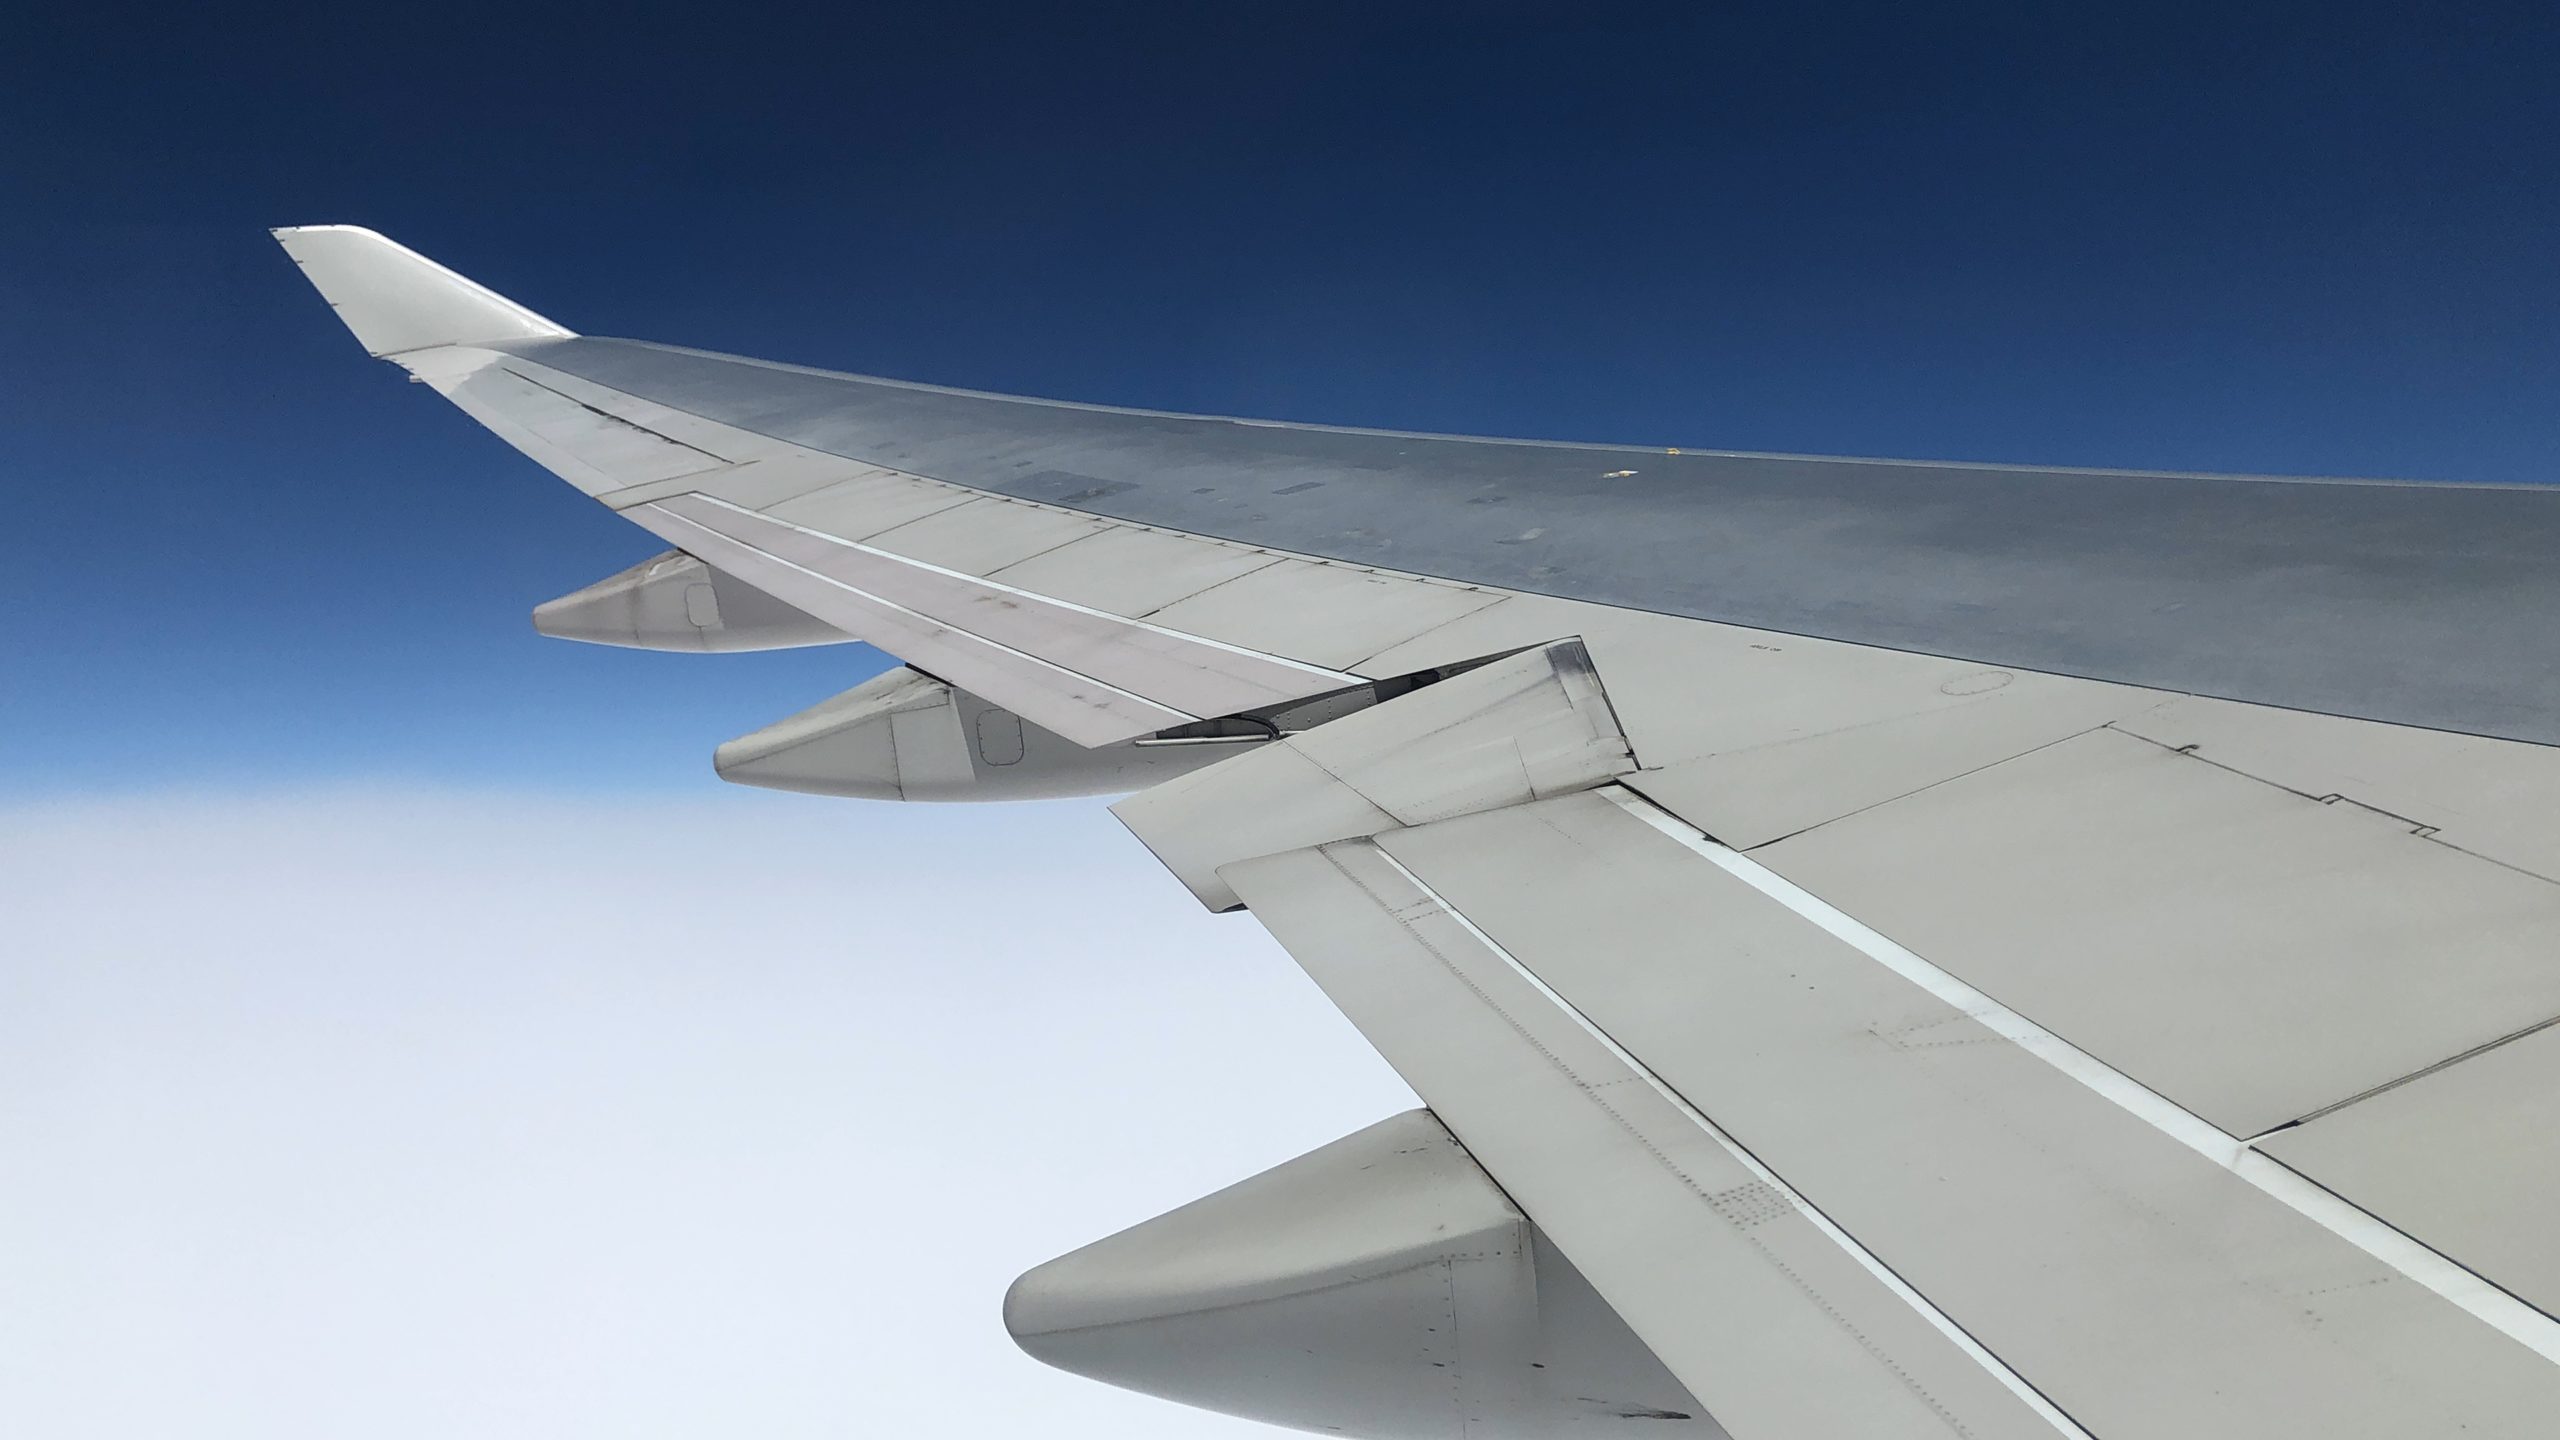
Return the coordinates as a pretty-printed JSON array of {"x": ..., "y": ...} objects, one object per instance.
[{"x": 396, "y": 299}]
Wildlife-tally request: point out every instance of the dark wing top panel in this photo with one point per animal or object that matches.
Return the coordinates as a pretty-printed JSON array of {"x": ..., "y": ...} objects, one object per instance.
[{"x": 2419, "y": 604}]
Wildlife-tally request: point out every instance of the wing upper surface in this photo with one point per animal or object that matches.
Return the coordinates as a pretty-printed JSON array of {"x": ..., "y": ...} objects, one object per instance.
[
  {"x": 921, "y": 568},
  {"x": 1710, "y": 1097},
  {"x": 1960, "y": 998},
  {"x": 2414, "y": 604}
]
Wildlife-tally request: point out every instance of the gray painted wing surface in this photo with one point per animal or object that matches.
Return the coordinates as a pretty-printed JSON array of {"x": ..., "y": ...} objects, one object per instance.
[{"x": 2419, "y": 604}]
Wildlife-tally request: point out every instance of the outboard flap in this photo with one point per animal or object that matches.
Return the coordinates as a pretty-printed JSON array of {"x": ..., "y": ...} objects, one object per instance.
[{"x": 1500, "y": 732}]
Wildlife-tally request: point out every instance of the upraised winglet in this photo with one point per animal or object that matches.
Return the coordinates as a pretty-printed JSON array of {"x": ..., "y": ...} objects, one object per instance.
[{"x": 397, "y": 300}]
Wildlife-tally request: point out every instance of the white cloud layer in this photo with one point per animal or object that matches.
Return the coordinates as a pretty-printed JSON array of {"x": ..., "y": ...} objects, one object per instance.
[{"x": 405, "y": 1114}]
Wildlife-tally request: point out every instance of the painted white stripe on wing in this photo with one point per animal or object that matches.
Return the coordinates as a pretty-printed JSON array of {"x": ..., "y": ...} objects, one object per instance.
[
  {"x": 1338, "y": 678},
  {"x": 2484, "y": 1301},
  {"x": 1937, "y": 1319},
  {"x": 1173, "y": 716}
]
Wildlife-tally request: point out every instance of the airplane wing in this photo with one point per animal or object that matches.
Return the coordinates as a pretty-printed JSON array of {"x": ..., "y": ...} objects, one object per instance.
[{"x": 1887, "y": 949}]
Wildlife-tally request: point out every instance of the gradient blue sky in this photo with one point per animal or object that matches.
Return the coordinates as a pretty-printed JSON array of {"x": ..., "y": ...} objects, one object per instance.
[
  {"x": 2296, "y": 238},
  {"x": 401, "y": 1032}
]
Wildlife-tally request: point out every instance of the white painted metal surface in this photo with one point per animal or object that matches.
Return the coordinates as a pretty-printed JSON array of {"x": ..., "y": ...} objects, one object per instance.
[
  {"x": 1779, "y": 1327},
  {"x": 1075, "y": 705},
  {"x": 1332, "y": 615},
  {"x": 1129, "y": 571},
  {"x": 2495, "y": 798},
  {"x": 2463, "y": 1158},
  {"x": 755, "y": 484},
  {"x": 2149, "y": 1274},
  {"x": 728, "y": 442},
  {"x": 1092, "y": 677},
  {"x": 1202, "y": 675},
  {"x": 862, "y": 505},
  {"x": 1752, "y": 794},
  {"x": 1689, "y": 691},
  {"x": 2431, "y": 1269},
  {"x": 397, "y": 300},
  {"x": 591, "y": 450},
  {"x": 981, "y": 536},
  {"x": 1518, "y": 729},
  {"x": 2250, "y": 953}
]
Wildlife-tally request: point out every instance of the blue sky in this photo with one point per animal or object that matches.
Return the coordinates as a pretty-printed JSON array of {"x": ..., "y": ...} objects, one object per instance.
[
  {"x": 2295, "y": 238},
  {"x": 401, "y": 1031}
]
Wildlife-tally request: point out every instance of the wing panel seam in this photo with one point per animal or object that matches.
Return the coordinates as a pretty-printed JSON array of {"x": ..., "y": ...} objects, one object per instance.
[
  {"x": 2473, "y": 1293},
  {"x": 1317, "y": 671},
  {"x": 1183, "y": 716},
  {"x": 1637, "y": 1070},
  {"x": 624, "y": 421}
]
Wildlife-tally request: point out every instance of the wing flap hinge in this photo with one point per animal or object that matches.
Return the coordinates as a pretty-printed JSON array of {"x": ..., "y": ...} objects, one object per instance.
[{"x": 1526, "y": 727}]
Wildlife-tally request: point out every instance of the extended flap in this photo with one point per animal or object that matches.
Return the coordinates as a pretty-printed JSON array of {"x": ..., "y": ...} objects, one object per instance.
[{"x": 1531, "y": 726}]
